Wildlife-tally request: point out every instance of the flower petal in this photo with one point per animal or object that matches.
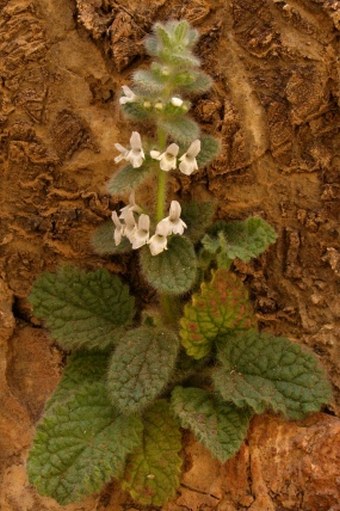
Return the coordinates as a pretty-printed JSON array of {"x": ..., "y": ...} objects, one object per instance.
[
  {"x": 173, "y": 149},
  {"x": 135, "y": 140},
  {"x": 130, "y": 225},
  {"x": 194, "y": 148},
  {"x": 129, "y": 95},
  {"x": 136, "y": 159},
  {"x": 155, "y": 154},
  {"x": 141, "y": 234},
  {"x": 174, "y": 210},
  {"x": 186, "y": 166},
  {"x": 157, "y": 244},
  {"x": 175, "y": 101},
  {"x": 132, "y": 206},
  {"x": 124, "y": 152},
  {"x": 119, "y": 228},
  {"x": 167, "y": 163}
]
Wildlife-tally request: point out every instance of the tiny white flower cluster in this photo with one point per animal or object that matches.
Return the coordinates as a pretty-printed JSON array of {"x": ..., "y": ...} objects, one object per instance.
[
  {"x": 168, "y": 159},
  {"x": 130, "y": 97},
  {"x": 138, "y": 232}
]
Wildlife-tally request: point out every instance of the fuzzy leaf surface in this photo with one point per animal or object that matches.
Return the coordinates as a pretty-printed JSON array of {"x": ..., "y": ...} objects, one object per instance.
[
  {"x": 140, "y": 367},
  {"x": 103, "y": 243},
  {"x": 136, "y": 111},
  {"x": 198, "y": 217},
  {"x": 243, "y": 239},
  {"x": 82, "y": 368},
  {"x": 152, "y": 474},
  {"x": 210, "y": 148},
  {"x": 181, "y": 129},
  {"x": 172, "y": 271},
  {"x": 221, "y": 305},
  {"x": 128, "y": 178},
  {"x": 200, "y": 83},
  {"x": 81, "y": 444},
  {"x": 148, "y": 82},
  {"x": 266, "y": 372},
  {"x": 219, "y": 426},
  {"x": 82, "y": 309}
]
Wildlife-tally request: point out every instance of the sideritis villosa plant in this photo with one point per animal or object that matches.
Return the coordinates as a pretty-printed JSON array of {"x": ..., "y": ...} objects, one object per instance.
[{"x": 197, "y": 362}]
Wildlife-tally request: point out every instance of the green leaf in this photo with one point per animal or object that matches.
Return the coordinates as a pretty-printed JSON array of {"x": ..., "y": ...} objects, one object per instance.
[
  {"x": 136, "y": 110},
  {"x": 80, "y": 445},
  {"x": 163, "y": 35},
  {"x": 83, "y": 367},
  {"x": 172, "y": 47},
  {"x": 181, "y": 30},
  {"x": 141, "y": 367},
  {"x": 128, "y": 179},
  {"x": 210, "y": 147},
  {"x": 181, "y": 129},
  {"x": 219, "y": 426},
  {"x": 266, "y": 372},
  {"x": 180, "y": 57},
  {"x": 103, "y": 243},
  {"x": 181, "y": 33},
  {"x": 151, "y": 45},
  {"x": 82, "y": 310},
  {"x": 221, "y": 305},
  {"x": 152, "y": 473},
  {"x": 242, "y": 239},
  {"x": 201, "y": 83},
  {"x": 198, "y": 217},
  {"x": 148, "y": 82},
  {"x": 172, "y": 271}
]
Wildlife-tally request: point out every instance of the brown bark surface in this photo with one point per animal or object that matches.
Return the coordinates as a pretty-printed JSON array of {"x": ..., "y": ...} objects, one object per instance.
[{"x": 275, "y": 106}]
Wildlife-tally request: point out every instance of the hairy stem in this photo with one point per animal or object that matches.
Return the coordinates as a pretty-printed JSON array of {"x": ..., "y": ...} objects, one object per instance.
[{"x": 169, "y": 304}]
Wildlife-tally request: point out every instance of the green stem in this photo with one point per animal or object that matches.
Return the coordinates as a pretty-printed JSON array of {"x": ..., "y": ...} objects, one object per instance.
[
  {"x": 169, "y": 305},
  {"x": 170, "y": 309}
]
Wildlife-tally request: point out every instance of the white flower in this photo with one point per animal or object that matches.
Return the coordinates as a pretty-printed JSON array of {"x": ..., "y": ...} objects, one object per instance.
[
  {"x": 129, "y": 96},
  {"x": 173, "y": 223},
  {"x": 135, "y": 155},
  {"x": 132, "y": 206},
  {"x": 168, "y": 158},
  {"x": 124, "y": 152},
  {"x": 175, "y": 101},
  {"x": 130, "y": 226},
  {"x": 140, "y": 235},
  {"x": 119, "y": 228},
  {"x": 188, "y": 161},
  {"x": 159, "y": 241}
]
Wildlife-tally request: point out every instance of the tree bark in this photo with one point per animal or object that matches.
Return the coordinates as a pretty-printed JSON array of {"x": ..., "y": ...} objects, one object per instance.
[{"x": 275, "y": 107}]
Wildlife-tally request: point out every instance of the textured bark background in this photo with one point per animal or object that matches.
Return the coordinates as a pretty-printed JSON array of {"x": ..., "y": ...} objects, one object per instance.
[{"x": 275, "y": 106}]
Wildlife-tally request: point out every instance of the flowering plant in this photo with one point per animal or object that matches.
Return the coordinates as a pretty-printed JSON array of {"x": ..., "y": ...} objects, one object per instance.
[{"x": 196, "y": 359}]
